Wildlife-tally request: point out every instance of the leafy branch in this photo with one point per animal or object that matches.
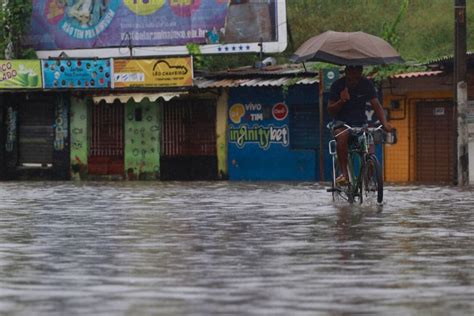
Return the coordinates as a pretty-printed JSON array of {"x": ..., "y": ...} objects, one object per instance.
[
  {"x": 285, "y": 87},
  {"x": 200, "y": 61},
  {"x": 15, "y": 18},
  {"x": 390, "y": 34}
]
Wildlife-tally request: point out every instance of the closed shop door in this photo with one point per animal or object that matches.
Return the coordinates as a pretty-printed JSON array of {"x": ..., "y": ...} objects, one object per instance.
[
  {"x": 189, "y": 140},
  {"x": 107, "y": 142},
  {"x": 434, "y": 142},
  {"x": 35, "y": 130}
]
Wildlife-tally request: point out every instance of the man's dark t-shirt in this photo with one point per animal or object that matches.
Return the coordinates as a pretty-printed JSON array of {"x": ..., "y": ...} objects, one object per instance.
[{"x": 353, "y": 111}]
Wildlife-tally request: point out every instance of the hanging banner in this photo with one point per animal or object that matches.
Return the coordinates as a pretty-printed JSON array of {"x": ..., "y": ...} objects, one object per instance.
[
  {"x": 78, "y": 73},
  {"x": 20, "y": 74},
  {"x": 152, "y": 73}
]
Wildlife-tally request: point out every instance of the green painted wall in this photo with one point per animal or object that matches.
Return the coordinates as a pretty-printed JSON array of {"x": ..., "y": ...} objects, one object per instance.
[
  {"x": 221, "y": 134},
  {"x": 79, "y": 144},
  {"x": 142, "y": 140}
]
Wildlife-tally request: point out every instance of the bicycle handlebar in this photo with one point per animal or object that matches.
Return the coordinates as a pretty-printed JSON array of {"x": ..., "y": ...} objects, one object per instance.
[{"x": 358, "y": 129}]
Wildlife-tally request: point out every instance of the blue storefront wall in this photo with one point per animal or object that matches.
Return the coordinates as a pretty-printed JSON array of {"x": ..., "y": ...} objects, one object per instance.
[{"x": 274, "y": 134}]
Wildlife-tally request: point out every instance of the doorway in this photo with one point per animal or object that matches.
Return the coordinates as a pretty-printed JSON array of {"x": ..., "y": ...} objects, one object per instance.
[
  {"x": 189, "y": 140},
  {"x": 106, "y": 152},
  {"x": 434, "y": 142}
]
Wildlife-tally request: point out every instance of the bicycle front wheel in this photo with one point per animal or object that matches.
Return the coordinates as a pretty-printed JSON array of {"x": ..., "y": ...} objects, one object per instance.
[{"x": 372, "y": 185}]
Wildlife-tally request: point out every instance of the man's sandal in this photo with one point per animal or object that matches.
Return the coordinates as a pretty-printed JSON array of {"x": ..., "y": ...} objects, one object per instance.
[{"x": 342, "y": 181}]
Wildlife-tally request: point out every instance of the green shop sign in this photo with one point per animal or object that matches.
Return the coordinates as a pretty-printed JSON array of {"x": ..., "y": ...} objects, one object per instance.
[{"x": 20, "y": 74}]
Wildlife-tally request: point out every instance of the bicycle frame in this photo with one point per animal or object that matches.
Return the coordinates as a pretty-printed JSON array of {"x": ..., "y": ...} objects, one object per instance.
[{"x": 359, "y": 153}]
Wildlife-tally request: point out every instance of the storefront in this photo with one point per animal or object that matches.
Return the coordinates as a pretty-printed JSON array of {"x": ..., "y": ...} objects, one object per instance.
[
  {"x": 421, "y": 109},
  {"x": 35, "y": 124}
]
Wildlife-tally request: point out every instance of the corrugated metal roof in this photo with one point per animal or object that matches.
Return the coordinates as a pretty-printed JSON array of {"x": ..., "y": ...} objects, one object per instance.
[
  {"x": 418, "y": 74},
  {"x": 278, "y": 70},
  {"x": 203, "y": 83},
  {"x": 446, "y": 59}
]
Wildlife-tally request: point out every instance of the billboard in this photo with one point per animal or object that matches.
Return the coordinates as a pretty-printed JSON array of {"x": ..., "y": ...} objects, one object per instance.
[
  {"x": 151, "y": 73},
  {"x": 123, "y": 28},
  {"x": 20, "y": 74}
]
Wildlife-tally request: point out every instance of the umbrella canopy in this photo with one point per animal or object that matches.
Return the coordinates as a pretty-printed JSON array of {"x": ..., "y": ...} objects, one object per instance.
[{"x": 347, "y": 48}]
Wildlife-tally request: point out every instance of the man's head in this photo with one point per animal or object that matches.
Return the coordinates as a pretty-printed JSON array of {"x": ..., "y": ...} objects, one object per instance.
[{"x": 353, "y": 74}]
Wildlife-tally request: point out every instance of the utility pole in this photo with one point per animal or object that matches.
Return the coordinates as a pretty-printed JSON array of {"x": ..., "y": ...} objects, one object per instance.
[{"x": 461, "y": 165}]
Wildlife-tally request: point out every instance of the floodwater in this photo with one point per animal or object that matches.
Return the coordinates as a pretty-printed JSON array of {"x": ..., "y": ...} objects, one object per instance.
[{"x": 222, "y": 248}]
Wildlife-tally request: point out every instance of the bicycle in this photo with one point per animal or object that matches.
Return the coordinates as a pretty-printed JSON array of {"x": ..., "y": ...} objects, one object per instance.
[{"x": 365, "y": 172}]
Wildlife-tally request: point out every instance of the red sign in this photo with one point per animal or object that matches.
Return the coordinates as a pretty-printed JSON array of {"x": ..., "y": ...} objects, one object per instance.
[{"x": 280, "y": 111}]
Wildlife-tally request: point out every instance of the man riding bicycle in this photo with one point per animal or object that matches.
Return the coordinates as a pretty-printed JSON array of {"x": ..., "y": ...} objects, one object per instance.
[{"x": 347, "y": 104}]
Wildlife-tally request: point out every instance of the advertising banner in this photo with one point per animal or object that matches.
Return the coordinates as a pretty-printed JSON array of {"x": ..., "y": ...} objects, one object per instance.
[
  {"x": 147, "y": 73},
  {"x": 65, "y": 25},
  {"x": 20, "y": 74},
  {"x": 69, "y": 24},
  {"x": 78, "y": 73}
]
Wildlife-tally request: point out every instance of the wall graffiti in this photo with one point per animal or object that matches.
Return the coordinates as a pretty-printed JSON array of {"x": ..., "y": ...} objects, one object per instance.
[
  {"x": 11, "y": 129},
  {"x": 78, "y": 138},
  {"x": 60, "y": 126}
]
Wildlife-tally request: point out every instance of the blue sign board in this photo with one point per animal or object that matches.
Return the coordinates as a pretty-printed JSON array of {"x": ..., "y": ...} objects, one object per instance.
[
  {"x": 78, "y": 73},
  {"x": 259, "y": 142}
]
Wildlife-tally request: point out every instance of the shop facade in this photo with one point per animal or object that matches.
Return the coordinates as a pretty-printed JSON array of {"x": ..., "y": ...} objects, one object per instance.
[
  {"x": 35, "y": 124},
  {"x": 421, "y": 108}
]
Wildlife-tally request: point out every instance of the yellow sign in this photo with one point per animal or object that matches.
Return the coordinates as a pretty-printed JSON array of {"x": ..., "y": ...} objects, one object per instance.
[
  {"x": 144, "y": 7},
  {"x": 152, "y": 73},
  {"x": 20, "y": 74},
  {"x": 236, "y": 112}
]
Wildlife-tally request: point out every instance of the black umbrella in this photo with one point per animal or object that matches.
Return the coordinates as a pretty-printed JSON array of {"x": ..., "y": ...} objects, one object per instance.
[{"x": 347, "y": 48}]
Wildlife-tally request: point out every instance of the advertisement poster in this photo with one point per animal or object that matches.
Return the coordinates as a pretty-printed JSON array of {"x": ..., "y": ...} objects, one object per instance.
[
  {"x": 20, "y": 74},
  {"x": 86, "y": 24},
  {"x": 80, "y": 73},
  {"x": 264, "y": 125},
  {"x": 148, "y": 73}
]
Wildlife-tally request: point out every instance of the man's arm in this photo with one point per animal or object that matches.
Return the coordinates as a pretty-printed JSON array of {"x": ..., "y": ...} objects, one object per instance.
[
  {"x": 335, "y": 106},
  {"x": 380, "y": 114}
]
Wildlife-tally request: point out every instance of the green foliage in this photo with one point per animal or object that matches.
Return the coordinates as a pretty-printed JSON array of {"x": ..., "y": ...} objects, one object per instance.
[
  {"x": 422, "y": 31},
  {"x": 288, "y": 84},
  {"x": 15, "y": 17},
  {"x": 389, "y": 30},
  {"x": 320, "y": 65},
  {"x": 218, "y": 62},
  {"x": 199, "y": 59},
  {"x": 379, "y": 73}
]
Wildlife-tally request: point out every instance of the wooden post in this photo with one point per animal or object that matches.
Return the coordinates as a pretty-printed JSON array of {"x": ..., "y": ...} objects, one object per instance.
[{"x": 321, "y": 126}]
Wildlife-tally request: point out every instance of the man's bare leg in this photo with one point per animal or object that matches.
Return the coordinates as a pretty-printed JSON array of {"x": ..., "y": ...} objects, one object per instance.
[{"x": 342, "y": 141}]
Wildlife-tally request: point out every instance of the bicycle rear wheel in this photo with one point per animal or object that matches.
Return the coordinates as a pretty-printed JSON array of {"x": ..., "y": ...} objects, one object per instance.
[{"x": 372, "y": 185}]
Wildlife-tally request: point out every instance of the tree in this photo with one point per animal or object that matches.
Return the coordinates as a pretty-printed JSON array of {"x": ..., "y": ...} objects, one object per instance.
[{"x": 15, "y": 17}]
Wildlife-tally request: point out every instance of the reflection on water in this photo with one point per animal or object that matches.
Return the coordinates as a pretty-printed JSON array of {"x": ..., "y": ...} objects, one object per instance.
[{"x": 205, "y": 248}]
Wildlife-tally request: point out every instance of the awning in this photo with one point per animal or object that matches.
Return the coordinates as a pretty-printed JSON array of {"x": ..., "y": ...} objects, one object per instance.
[{"x": 137, "y": 97}]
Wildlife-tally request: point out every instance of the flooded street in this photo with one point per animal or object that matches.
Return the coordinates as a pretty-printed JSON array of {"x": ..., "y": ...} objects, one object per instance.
[{"x": 202, "y": 248}]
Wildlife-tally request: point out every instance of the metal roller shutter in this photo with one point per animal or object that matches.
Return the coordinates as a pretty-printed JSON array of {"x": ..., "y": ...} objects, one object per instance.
[{"x": 35, "y": 130}]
